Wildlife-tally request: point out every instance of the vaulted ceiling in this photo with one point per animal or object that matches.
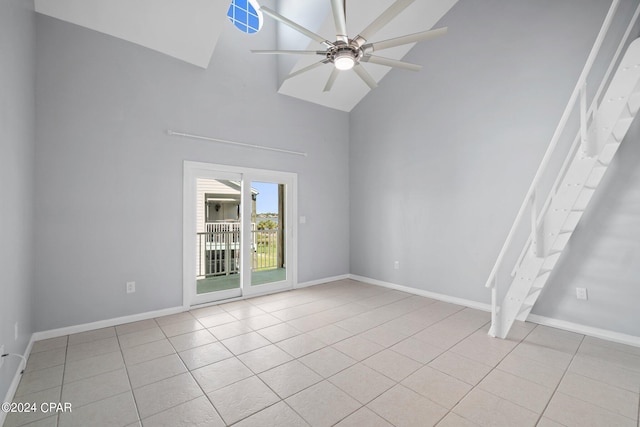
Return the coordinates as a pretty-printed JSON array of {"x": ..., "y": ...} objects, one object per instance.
[{"x": 189, "y": 30}]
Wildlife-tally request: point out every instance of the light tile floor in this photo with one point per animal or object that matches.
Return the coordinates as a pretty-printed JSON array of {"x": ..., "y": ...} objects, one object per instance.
[{"x": 343, "y": 353}]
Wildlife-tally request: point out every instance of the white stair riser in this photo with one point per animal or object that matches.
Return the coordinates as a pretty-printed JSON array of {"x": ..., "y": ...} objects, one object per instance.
[{"x": 606, "y": 131}]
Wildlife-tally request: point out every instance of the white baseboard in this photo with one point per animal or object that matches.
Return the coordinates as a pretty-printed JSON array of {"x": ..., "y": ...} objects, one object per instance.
[
  {"x": 604, "y": 334},
  {"x": 13, "y": 387},
  {"x": 60, "y": 332},
  {"x": 421, "y": 292},
  {"x": 533, "y": 318},
  {"x": 321, "y": 281}
]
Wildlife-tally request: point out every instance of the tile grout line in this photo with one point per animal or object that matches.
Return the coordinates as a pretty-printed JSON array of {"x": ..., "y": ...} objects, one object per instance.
[
  {"x": 555, "y": 390},
  {"x": 204, "y": 394},
  {"x": 485, "y": 376},
  {"x": 409, "y": 336},
  {"x": 598, "y": 381},
  {"x": 295, "y": 412},
  {"x": 172, "y": 376},
  {"x": 64, "y": 371},
  {"x": 260, "y": 379},
  {"x": 297, "y": 359},
  {"x": 126, "y": 369},
  {"x": 327, "y": 309},
  {"x": 155, "y": 358}
]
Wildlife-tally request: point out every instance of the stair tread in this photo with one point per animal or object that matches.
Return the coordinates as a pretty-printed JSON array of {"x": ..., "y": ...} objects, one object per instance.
[{"x": 609, "y": 126}]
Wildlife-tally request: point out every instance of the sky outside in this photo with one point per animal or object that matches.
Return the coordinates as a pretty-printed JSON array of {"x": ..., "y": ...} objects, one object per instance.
[{"x": 267, "y": 201}]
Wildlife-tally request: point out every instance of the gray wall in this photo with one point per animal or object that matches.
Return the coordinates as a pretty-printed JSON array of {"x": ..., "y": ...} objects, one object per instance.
[
  {"x": 109, "y": 181},
  {"x": 17, "y": 123},
  {"x": 441, "y": 159}
]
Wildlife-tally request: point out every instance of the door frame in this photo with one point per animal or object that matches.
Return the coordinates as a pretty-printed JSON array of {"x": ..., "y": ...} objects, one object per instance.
[{"x": 191, "y": 171}]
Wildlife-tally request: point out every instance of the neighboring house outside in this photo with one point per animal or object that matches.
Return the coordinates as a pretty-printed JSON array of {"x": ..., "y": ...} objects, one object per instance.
[
  {"x": 219, "y": 201},
  {"x": 218, "y": 231},
  {"x": 218, "y": 226}
]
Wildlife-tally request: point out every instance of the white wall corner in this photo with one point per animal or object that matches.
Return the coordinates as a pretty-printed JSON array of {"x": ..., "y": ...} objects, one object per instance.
[{"x": 13, "y": 387}]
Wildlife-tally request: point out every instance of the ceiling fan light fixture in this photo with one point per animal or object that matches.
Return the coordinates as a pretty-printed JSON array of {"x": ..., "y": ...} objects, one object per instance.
[
  {"x": 347, "y": 53},
  {"x": 344, "y": 60}
]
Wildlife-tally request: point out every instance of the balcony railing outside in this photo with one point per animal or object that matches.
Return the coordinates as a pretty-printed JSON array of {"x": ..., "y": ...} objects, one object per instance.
[{"x": 218, "y": 250}]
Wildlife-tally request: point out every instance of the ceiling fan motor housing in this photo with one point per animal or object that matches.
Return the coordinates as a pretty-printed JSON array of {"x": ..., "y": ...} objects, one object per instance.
[{"x": 344, "y": 55}]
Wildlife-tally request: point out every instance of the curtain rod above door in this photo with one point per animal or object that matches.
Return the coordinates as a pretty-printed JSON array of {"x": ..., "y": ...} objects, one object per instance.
[{"x": 240, "y": 144}]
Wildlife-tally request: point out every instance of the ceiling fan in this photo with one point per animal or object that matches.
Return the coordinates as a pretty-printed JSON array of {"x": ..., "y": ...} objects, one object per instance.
[{"x": 348, "y": 53}]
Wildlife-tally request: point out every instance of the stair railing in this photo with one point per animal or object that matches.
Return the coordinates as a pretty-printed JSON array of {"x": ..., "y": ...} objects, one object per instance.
[{"x": 532, "y": 197}]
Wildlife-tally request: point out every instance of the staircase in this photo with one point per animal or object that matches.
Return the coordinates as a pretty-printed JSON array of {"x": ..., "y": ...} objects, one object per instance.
[{"x": 602, "y": 129}]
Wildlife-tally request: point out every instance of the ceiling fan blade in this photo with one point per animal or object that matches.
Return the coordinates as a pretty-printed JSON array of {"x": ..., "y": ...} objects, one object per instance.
[
  {"x": 411, "y": 38},
  {"x": 275, "y": 15},
  {"x": 366, "y": 77},
  {"x": 290, "y": 52},
  {"x": 394, "y": 10},
  {"x": 390, "y": 62},
  {"x": 307, "y": 68},
  {"x": 332, "y": 79},
  {"x": 340, "y": 19}
]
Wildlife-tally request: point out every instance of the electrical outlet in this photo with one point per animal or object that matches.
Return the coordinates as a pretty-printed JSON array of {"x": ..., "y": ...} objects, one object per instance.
[
  {"x": 1, "y": 352},
  {"x": 581, "y": 293},
  {"x": 396, "y": 265},
  {"x": 15, "y": 331},
  {"x": 131, "y": 287}
]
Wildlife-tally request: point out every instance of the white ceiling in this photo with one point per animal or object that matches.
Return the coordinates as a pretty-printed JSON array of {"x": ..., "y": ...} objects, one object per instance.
[
  {"x": 185, "y": 29},
  {"x": 189, "y": 30}
]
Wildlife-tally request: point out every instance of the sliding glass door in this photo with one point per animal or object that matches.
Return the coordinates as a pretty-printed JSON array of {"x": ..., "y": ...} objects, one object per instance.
[
  {"x": 270, "y": 238},
  {"x": 238, "y": 232}
]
